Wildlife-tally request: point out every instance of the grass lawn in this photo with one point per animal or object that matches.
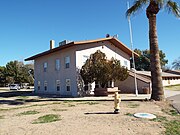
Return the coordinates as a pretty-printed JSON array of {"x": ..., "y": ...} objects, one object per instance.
[
  {"x": 172, "y": 87},
  {"x": 47, "y": 119}
]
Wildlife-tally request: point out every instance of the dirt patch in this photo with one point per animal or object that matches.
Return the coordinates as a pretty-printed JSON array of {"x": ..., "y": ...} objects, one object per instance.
[{"x": 79, "y": 118}]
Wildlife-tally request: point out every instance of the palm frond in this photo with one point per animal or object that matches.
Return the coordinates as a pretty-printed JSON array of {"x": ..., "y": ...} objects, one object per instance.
[
  {"x": 173, "y": 7},
  {"x": 138, "y": 4},
  {"x": 161, "y": 3}
]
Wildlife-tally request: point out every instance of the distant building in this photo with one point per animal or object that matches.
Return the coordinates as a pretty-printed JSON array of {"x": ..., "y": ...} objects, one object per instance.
[
  {"x": 177, "y": 72},
  {"x": 144, "y": 81},
  {"x": 56, "y": 71},
  {"x": 167, "y": 78},
  {"x": 128, "y": 85}
]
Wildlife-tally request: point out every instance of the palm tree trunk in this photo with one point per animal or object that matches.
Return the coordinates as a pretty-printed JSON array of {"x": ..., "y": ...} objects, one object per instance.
[{"x": 156, "y": 78}]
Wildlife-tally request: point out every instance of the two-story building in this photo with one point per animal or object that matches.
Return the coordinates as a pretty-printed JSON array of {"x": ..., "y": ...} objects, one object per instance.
[{"x": 56, "y": 70}]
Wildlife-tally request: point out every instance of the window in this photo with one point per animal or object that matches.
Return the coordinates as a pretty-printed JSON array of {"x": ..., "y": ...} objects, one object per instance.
[
  {"x": 45, "y": 66},
  {"x": 85, "y": 58},
  {"x": 57, "y": 65},
  {"x": 125, "y": 63},
  {"x": 58, "y": 85},
  {"x": 39, "y": 84},
  {"x": 67, "y": 62},
  {"x": 68, "y": 85},
  {"x": 45, "y": 85}
]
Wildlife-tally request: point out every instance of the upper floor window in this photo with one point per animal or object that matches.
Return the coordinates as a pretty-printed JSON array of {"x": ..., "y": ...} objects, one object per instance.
[
  {"x": 67, "y": 62},
  {"x": 125, "y": 63},
  {"x": 45, "y": 66},
  {"x": 85, "y": 57},
  {"x": 57, "y": 64}
]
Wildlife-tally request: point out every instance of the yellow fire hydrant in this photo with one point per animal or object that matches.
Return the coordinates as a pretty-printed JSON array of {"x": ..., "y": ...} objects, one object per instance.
[{"x": 117, "y": 101}]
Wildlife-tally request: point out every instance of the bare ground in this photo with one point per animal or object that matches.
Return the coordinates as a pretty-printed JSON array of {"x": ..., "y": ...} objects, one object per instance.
[{"x": 79, "y": 118}]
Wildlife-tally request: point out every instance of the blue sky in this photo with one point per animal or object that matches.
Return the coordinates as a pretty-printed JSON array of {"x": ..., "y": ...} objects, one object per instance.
[{"x": 27, "y": 26}]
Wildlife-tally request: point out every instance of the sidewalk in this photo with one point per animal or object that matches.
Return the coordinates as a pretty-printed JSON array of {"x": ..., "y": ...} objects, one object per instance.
[
  {"x": 175, "y": 97},
  {"x": 4, "y": 92},
  {"x": 124, "y": 97}
]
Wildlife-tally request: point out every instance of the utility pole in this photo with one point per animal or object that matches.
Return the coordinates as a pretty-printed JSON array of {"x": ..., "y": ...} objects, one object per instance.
[{"x": 131, "y": 40}]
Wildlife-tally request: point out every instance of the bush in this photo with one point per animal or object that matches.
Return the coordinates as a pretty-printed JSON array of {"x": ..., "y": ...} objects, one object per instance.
[{"x": 97, "y": 68}]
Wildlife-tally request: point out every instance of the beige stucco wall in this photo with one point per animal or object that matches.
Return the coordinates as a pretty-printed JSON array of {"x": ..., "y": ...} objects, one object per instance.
[
  {"x": 52, "y": 75},
  {"x": 76, "y": 54},
  {"x": 128, "y": 86}
]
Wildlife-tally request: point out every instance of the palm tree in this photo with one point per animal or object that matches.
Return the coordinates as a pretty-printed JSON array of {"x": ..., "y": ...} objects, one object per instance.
[{"x": 154, "y": 6}]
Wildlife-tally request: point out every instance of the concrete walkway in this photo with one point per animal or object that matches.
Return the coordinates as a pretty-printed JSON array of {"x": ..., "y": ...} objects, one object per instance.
[
  {"x": 124, "y": 97},
  {"x": 175, "y": 97},
  {"x": 5, "y": 92},
  {"x": 176, "y": 102}
]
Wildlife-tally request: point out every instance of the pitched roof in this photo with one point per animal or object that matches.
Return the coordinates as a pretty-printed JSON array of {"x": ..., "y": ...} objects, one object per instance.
[
  {"x": 140, "y": 77},
  {"x": 177, "y": 72},
  {"x": 113, "y": 40}
]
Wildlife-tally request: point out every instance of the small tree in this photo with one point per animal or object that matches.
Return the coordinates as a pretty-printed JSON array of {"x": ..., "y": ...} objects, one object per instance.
[
  {"x": 176, "y": 64},
  {"x": 143, "y": 61},
  {"x": 97, "y": 68},
  {"x": 2, "y": 76},
  {"x": 17, "y": 72}
]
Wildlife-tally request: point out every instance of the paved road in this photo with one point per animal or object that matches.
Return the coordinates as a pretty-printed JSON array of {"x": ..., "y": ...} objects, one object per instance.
[{"x": 175, "y": 97}]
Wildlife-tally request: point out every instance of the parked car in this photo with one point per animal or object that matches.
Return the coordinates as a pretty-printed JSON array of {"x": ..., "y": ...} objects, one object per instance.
[{"x": 14, "y": 87}]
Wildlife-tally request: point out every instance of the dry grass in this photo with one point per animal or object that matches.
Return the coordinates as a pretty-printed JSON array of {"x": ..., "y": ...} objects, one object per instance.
[
  {"x": 173, "y": 87},
  {"x": 87, "y": 117}
]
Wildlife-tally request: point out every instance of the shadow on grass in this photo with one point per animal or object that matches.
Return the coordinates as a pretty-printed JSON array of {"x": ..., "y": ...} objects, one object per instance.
[
  {"x": 21, "y": 93},
  {"x": 9, "y": 94},
  {"x": 11, "y": 102},
  {"x": 22, "y": 97}
]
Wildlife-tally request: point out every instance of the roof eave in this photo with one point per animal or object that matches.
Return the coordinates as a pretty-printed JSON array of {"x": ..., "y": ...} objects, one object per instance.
[
  {"x": 113, "y": 40},
  {"x": 123, "y": 47}
]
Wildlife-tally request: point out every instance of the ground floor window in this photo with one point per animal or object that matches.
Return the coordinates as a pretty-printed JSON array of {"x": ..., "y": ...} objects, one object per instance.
[
  {"x": 68, "y": 85},
  {"x": 39, "y": 85},
  {"x": 45, "y": 85},
  {"x": 58, "y": 85}
]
